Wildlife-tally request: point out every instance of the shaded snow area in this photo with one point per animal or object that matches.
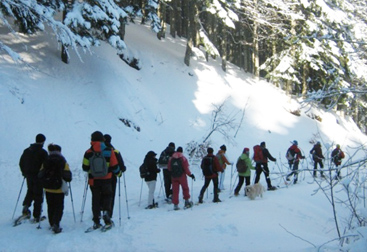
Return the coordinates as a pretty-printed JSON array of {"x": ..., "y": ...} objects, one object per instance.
[{"x": 165, "y": 101}]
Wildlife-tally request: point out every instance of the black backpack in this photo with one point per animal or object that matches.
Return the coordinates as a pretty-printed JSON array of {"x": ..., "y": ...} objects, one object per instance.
[
  {"x": 53, "y": 170},
  {"x": 98, "y": 165},
  {"x": 176, "y": 167},
  {"x": 207, "y": 166},
  {"x": 143, "y": 169},
  {"x": 163, "y": 158}
]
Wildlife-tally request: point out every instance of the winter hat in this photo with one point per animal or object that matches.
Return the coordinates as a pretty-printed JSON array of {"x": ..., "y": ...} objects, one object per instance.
[
  {"x": 97, "y": 136},
  {"x": 295, "y": 142},
  {"x": 171, "y": 144},
  {"x": 40, "y": 138},
  {"x": 262, "y": 144},
  {"x": 179, "y": 149},
  {"x": 338, "y": 146},
  {"x": 151, "y": 154},
  {"x": 223, "y": 147},
  {"x": 246, "y": 150},
  {"x": 107, "y": 138},
  {"x": 210, "y": 150}
]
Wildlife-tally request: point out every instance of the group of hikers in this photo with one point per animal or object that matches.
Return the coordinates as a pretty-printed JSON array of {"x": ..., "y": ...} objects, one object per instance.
[{"x": 50, "y": 172}]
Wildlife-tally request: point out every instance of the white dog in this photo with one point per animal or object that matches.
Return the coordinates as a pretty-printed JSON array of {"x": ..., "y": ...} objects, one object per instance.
[{"x": 253, "y": 191}]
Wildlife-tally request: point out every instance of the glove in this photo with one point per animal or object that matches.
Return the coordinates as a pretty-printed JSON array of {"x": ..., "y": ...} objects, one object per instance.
[
  {"x": 192, "y": 176},
  {"x": 119, "y": 174}
]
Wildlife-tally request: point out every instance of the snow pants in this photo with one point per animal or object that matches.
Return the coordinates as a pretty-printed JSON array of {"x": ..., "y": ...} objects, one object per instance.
[
  {"x": 55, "y": 207},
  {"x": 167, "y": 182},
  {"x": 34, "y": 194},
  {"x": 262, "y": 167},
  {"x": 241, "y": 179},
  {"x": 176, "y": 182},
  {"x": 151, "y": 187},
  {"x": 101, "y": 198}
]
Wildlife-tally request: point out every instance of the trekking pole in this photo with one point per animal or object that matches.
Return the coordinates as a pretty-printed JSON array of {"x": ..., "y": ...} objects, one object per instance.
[
  {"x": 230, "y": 185},
  {"x": 127, "y": 202},
  {"x": 160, "y": 189},
  {"x": 20, "y": 192},
  {"x": 39, "y": 220},
  {"x": 72, "y": 201},
  {"x": 192, "y": 190},
  {"x": 119, "y": 204},
  {"x": 141, "y": 190},
  {"x": 84, "y": 197}
]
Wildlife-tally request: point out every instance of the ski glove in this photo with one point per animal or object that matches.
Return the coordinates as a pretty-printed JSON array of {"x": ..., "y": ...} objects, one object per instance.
[
  {"x": 192, "y": 176},
  {"x": 119, "y": 174}
]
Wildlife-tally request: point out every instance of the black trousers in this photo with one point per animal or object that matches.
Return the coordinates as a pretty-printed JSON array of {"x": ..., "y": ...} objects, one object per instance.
[
  {"x": 318, "y": 161},
  {"x": 294, "y": 167},
  {"x": 206, "y": 184},
  {"x": 241, "y": 179},
  {"x": 55, "y": 207},
  {"x": 262, "y": 167},
  {"x": 167, "y": 182},
  {"x": 101, "y": 198},
  {"x": 34, "y": 194}
]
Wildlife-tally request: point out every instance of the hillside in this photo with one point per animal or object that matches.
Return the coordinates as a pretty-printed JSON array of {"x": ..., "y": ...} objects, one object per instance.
[{"x": 164, "y": 102}]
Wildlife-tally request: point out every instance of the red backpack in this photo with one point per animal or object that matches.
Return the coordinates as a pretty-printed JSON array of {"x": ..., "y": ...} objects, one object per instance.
[{"x": 258, "y": 154}]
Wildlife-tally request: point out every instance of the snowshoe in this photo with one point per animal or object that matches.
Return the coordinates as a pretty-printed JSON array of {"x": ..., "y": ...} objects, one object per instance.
[
  {"x": 175, "y": 207},
  {"x": 188, "y": 204}
]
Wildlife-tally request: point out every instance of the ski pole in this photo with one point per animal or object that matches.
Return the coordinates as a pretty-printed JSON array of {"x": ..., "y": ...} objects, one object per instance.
[
  {"x": 72, "y": 201},
  {"x": 20, "y": 192},
  {"x": 84, "y": 197},
  {"x": 127, "y": 202},
  {"x": 141, "y": 190}
]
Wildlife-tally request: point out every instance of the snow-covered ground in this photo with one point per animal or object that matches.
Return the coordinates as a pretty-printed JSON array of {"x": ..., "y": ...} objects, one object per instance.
[{"x": 168, "y": 102}]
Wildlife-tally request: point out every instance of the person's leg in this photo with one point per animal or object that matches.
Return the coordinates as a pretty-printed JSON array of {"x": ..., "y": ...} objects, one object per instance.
[{"x": 239, "y": 185}]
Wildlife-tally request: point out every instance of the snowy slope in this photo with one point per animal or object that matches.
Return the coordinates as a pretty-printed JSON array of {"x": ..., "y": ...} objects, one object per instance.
[{"x": 168, "y": 101}]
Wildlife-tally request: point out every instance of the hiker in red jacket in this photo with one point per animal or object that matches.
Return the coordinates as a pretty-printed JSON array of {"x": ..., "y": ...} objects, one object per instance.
[
  {"x": 262, "y": 164},
  {"x": 178, "y": 180},
  {"x": 294, "y": 155},
  {"x": 337, "y": 155}
]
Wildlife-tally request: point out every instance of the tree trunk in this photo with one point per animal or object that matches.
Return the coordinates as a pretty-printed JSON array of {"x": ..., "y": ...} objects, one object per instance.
[
  {"x": 255, "y": 45},
  {"x": 173, "y": 14},
  {"x": 162, "y": 15},
  {"x": 192, "y": 31},
  {"x": 64, "y": 51}
]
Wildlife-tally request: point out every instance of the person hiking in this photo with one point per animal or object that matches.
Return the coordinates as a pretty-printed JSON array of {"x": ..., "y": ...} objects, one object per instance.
[
  {"x": 317, "y": 157},
  {"x": 120, "y": 161},
  {"x": 150, "y": 161},
  {"x": 30, "y": 163},
  {"x": 223, "y": 161},
  {"x": 262, "y": 164},
  {"x": 293, "y": 156},
  {"x": 179, "y": 168},
  {"x": 55, "y": 196},
  {"x": 244, "y": 175},
  {"x": 101, "y": 164},
  {"x": 162, "y": 163},
  {"x": 337, "y": 155},
  {"x": 210, "y": 166}
]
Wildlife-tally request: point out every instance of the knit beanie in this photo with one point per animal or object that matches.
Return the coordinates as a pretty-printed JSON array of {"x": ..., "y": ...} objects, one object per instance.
[
  {"x": 97, "y": 136},
  {"x": 40, "y": 138}
]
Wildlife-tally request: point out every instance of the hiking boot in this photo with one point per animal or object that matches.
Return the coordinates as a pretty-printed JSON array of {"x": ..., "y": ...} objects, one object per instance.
[
  {"x": 26, "y": 211},
  {"x": 216, "y": 200},
  {"x": 97, "y": 225},
  {"x": 272, "y": 188},
  {"x": 288, "y": 179},
  {"x": 106, "y": 218},
  {"x": 201, "y": 200},
  {"x": 150, "y": 207},
  {"x": 175, "y": 207},
  {"x": 188, "y": 204},
  {"x": 236, "y": 193},
  {"x": 56, "y": 228}
]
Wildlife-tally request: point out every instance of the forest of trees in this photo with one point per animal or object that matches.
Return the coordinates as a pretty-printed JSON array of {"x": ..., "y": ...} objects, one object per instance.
[{"x": 314, "y": 49}]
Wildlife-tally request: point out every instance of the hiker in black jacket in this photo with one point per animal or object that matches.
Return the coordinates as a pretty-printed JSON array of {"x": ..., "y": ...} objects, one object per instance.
[{"x": 30, "y": 163}]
